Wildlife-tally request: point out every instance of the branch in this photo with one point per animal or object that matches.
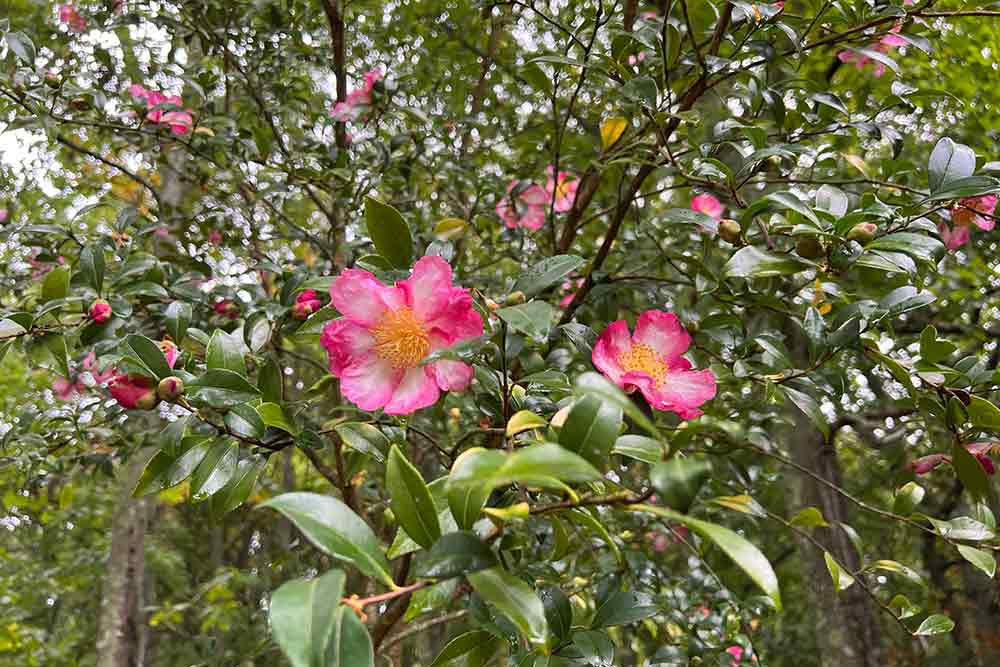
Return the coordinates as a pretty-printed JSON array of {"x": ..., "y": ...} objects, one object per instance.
[
  {"x": 335, "y": 17},
  {"x": 417, "y": 628}
]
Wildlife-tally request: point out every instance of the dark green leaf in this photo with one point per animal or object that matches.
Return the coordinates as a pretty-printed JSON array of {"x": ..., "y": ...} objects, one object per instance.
[
  {"x": 546, "y": 274},
  {"x": 678, "y": 480},
  {"x": 178, "y": 317},
  {"x": 225, "y": 351},
  {"x": 514, "y": 599},
  {"x": 591, "y": 429},
  {"x": 389, "y": 232},
  {"x": 532, "y": 319},
  {"x": 460, "y": 645},
  {"x": 622, "y": 608},
  {"x": 55, "y": 285},
  {"x": 949, "y": 161},
  {"x": 150, "y": 354},
  {"x": 558, "y": 612},
  {"x": 303, "y": 617},
  {"x": 364, "y": 438},
  {"x": 456, "y": 554},
  {"x": 410, "y": 500},
  {"x": 639, "y": 447},
  {"x": 752, "y": 262},
  {"x": 272, "y": 414},
  {"x": 92, "y": 266}
]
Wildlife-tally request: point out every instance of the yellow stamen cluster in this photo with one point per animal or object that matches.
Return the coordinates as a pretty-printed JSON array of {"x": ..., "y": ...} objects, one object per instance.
[
  {"x": 643, "y": 358},
  {"x": 400, "y": 338}
]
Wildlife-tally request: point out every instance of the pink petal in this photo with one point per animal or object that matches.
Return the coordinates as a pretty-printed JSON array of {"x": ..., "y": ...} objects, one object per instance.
[
  {"x": 533, "y": 218},
  {"x": 63, "y": 388},
  {"x": 708, "y": 205},
  {"x": 370, "y": 382},
  {"x": 684, "y": 391},
  {"x": 534, "y": 195},
  {"x": 417, "y": 390},
  {"x": 451, "y": 375},
  {"x": 428, "y": 288},
  {"x": 360, "y": 297},
  {"x": 925, "y": 464},
  {"x": 611, "y": 344},
  {"x": 662, "y": 332},
  {"x": 346, "y": 343}
]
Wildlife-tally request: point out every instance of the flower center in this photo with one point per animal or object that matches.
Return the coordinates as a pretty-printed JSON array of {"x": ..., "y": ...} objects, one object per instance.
[
  {"x": 643, "y": 358},
  {"x": 562, "y": 188},
  {"x": 400, "y": 338}
]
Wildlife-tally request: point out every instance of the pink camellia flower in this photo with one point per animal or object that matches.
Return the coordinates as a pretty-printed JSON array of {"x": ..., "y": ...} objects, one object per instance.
[
  {"x": 305, "y": 305},
  {"x": 227, "y": 308},
  {"x": 215, "y": 237},
  {"x": 4, "y": 214},
  {"x": 651, "y": 362},
  {"x": 708, "y": 205},
  {"x": 883, "y": 45},
  {"x": 635, "y": 59},
  {"x": 953, "y": 239},
  {"x": 523, "y": 205},
  {"x": 64, "y": 389},
  {"x": 976, "y": 211},
  {"x": 925, "y": 464},
  {"x": 133, "y": 392},
  {"x": 100, "y": 377},
  {"x": 563, "y": 187},
  {"x": 179, "y": 121},
  {"x": 358, "y": 100},
  {"x": 736, "y": 652},
  {"x": 170, "y": 351},
  {"x": 72, "y": 18},
  {"x": 378, "y": 347},
  {"x": 100, "y": 311},
  {"x": 982, "y": 450}
]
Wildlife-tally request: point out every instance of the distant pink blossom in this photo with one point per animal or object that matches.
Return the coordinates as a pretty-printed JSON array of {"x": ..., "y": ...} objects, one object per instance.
[
  {"x": 378, "y": 349},
  {"x": 651, "y": 361},
  {"x": 925, "y": 464},
  {"x": 227, "y": 308},
  {"x": 358, "y": 100},
  {"x": 953, "y": 238},
  {"x": 637, "y": 58},
  {"x": 4, "y": 214},
  {"x": 981, "y": 450},
  {"x": 72, "y": 18},
  {"x": 179, "y": 121},
  {"x": 64, "y": 388},
  {"x": 563, "y": 187},
  {"x": 708, "y": 205},
  {"x": 215, "y": 237},
  {"x": 737, "y": 653},
  {"x": 523, "y": 206},
  {"x": 976, "y": 211},
  {"x": 883, "y": 45},
  {"x": 570, "y": 287}
]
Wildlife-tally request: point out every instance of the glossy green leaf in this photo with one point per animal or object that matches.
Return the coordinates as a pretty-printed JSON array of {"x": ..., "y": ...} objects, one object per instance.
[
  {"x": 948, "y": 162},
  {"x": 558, "y": 612},
  {"x": 215, "y": 471},
  {"x": 550, "y": 271},
  {"x": 752, "y": 262},
  {"x": 907, "y": 498},
  {"x": 982, "y": 559},
  {"x": 410, "y": 500},
  {"x": 150, "y": 354},
  {"x": 274, "y": 415},
  {"x": 935, "y": 624},
  {"x": 22, "y": 47},
  {"x": 591, "y": 429},
  {"x": 55, "y": 285},
  {"x": 639, "y": 447},
  {"x": 678, "y": 480},
  {"x": 461, "y": 645},
  {"x": 178, "y": 318},
  {"x": 597, "y": 385},
  {"x": 622, "y": 608},
  {"x": 389, "y": 233},
  {"x": 364, "y": 438},
  {"x": 968, "y": 468},
  {"x": 514, "y": 599},
  {"x": 456, "y": 554},
  {"x": 841, "y": 579},
  {"x": 532, "y": 319},
  {"x": 304, "y": 615},
  {"x": 225, "y": 351},
  {"x": 92, "y": 266}
]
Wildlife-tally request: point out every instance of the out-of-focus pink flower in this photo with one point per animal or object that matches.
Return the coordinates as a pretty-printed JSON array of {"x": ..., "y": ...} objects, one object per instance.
[
  {"x": 100, "y": 377},
  {"x": 736, "y": 652},
  {"x": 976, "y": 211},
  {"x": 4, "y": 214},
  {"x": 708, "y": 205},
  {"x": 651, "y": 361},
  {"x": 523, "y": 205},
  {"x": 133, "y": 392},
  {"x": 170, "y": 351},
  {"x": 72, "y": 18},
  {"x": 563, "y": 187},
  {"x": 100, "y": 311},
  {"x": 925, "y": 464},
  {"x": 306, "y": 304},
  {"x": 377, "y": 349},
  {"x": 227, "y": 308},
  {"x": 637, "y": 58},
  {"x": 63, "y": 388},
  {"x": 215, "y": 237},
  {"x": 953, "y": 239},
  {"x": 179, "y": 121},
  {"x": 358, "y": 100},
  {"x": 883, "y": 45},
  {"x": 570, "y": 287},
  {"x": 982, "y": 451}
]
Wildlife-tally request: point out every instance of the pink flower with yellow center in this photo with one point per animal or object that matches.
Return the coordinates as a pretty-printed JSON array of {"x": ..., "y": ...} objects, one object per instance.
[
  {"x": 976, "y": 211},
  {"x": 953, "y": 239},
  {"x": 651, "y": 361},
  {"x": 708, "y": 205},
  {"x": 563, "y": 187},
  {"x": 524, "y": 205},
  {"x": 378, "y": 348}
]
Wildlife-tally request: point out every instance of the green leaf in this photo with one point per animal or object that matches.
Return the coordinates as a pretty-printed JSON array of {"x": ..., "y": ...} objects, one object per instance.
[
  {"x": 92, "y": 266},
  {"x": 228, "y": 380},
  {"x": 215, "y": 470},
  {"x": 678, "y": 480},
  {"x": 638, "y": 447},
  {"x": 225, "y": 351},
  {"x": 808, "y": 517},
  {"x": 272, "y": 387},
  {"x": 256, "y": 331},
  {"x": 244, "y": 421},
  {"x": 841, "y": 579},
  {"x": 460, "y": 645},
  {"x": 935, "y": 624},
  {"x": 178, "y": 318},
  {"x": 932, "y": 349},
  {"x": 900, "y": 569},
  {"x": 389, "y": 232},
  {"x": 558, "y": 612},
  {"x": 185, "y": 464},
  {"x": 303, "y": 616},
  {"x": 984, "y": 414},
  {"x": 901, "y": 606},
  {"x": 962, "y": 528},
  {"x": 546, "y": 274},
  {"x": 591, "y": 429},
  {"x": 984, "y": 560},
  {"x": 9, "y": 328},
  {"x": 622, "y": 608},
  {"x": 273, "y": 414},
  {"x": 151, "y": 480},
  {"x": 918, "y": 246},
  {"x": 743, "y": 553},
  {"x": 809, "y": 407},
  {"x": 514, "y": 599},
  {"x": 790, "y": 201},
  {"x": 832, "y": 200},
  {"x": 524, "y": 420},
  {"x": 686, "y": 216},
  {"x": 351, "y": 645},
  {"x": 240, "y": 486},
  {"x": 335, "y": 530},
  {"x": 752, "y": 262},
  {"x": 22, "y": 47},
  {"x": 907, "y": 498},
  {"x": 532, "y": 319},
  {"x": 973, "y": 186},
  {"x": 597, "y": 385},
  {"x": 949, "y": 161},
  {"x": 150, "y": 354},
  {"x": 364, "y": 438},
  {"x": 410, "y": 500},
  {"x": 55, "y": 284},
  {"x": 969, "y": 470},
  {"x": 456, "y": 554}
]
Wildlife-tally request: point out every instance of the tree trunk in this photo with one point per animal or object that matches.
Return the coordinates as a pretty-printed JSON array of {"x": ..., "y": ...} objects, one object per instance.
[{"x": 119, "y": 628}]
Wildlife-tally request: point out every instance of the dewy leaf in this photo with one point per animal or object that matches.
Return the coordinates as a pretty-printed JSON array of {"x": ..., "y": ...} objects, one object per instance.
[
  {"x": 546, "y": 274},
  {"x": 935, "y": 624},
  {"x": 389, "y": 232},
  {"x": 591, "y": 429},
  {"x": 743, "y": 553},
  {"x": 226, "y": 351},
  {"x": 410, "y": 500},
  {"x": 752, "y": 262},
  {"x": 515, "y": 599},
  {"x": 622, "y": 608},
  {"x": 335, "y": 530},
  {"x": 982, "y": 559},
  {"x": 949, "y": 161},
  {"x": 532, "y": 319},
  {"x": 303, "y": 617}
]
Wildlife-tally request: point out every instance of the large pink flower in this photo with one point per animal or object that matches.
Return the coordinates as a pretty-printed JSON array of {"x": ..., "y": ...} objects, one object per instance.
[
  {"x": 976, "y": 211},
  {"x": 563, "y": 187},
  {"x": 953, "y": 239},
  {"x": 378, "y": 347},
  {"x": 523, "y": 205},
  {"x": 651, "y": 362},
  {"x": 708, "y": 205}
]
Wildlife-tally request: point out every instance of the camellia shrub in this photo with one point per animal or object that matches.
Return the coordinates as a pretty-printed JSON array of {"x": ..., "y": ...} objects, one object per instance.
[{"x": 501, "y": 333}]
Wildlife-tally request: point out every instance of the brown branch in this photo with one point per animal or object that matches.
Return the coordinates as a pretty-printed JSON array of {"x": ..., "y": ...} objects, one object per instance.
[
  {"x": 322, "y": 468},
  {"x": 125, "y": 170},
  {"x": 417, "y": 628},
  {"x": 398, "y": 606},
  {"x": 335, "y": 17}
]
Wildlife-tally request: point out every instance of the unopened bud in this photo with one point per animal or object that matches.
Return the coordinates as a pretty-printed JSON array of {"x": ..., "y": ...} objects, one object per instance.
[
  {"x": 862, "y": 232},
  {"x": 170, "y": 388},
  {"x": 100, "y": 311},
  {"x": 492, "y": 305},
  {"x": 730, "y": 230},
  {"x": 809, "y": 247},
  {"x": 515, "y": 298},
  {"x": 147, "y": 401}
]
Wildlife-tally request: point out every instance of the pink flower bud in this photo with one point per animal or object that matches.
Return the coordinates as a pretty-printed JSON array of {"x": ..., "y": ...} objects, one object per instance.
[
  {"x": 170, "y": 388},
  {"x": 133, "y": 392},
  {"x": 227, "y": 308},
  {"x": 305, "y": 305},
  {"x": 100, "y": 311},
  {"x": 925, "y": 464},
  {"x": 170, "y": 351}
]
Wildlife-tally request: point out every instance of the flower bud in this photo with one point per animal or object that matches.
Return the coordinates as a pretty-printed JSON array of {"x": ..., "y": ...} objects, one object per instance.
[
  {"x": 809, "y": 247},
  {"x": 133, "y": 392},
  {"x": 515, "y": 298},
  {"x": 52, "y": 80},
  {"x": 862, "y": 232},
  {"x": 303, "y": 309},
  {"x": 170, "y": 388},
  {"x": 492, "y": 305},
  {"x": 730, "y": 230},
  {"x": 100, "y": 311}
]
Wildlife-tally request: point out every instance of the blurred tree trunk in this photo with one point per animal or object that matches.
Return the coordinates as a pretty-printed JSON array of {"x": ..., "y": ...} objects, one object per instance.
[{"x": 120, "y": 626}]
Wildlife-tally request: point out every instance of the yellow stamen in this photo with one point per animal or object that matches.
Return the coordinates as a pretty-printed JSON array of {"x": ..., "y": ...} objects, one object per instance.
[
  {"x": 644, "y": 359},
  {"x": 400, "y": 338}
]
